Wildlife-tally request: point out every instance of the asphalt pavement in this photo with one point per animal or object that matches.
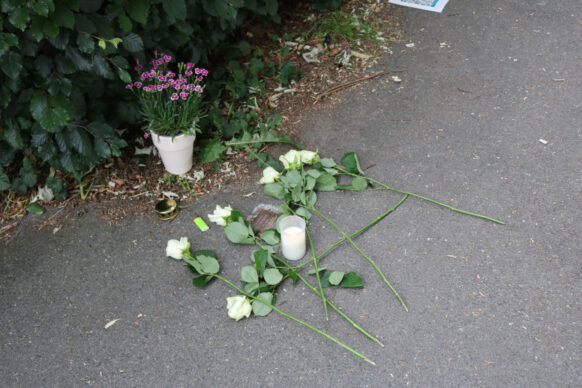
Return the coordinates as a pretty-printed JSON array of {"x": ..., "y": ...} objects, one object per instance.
[{"x": 487, "y": 118}]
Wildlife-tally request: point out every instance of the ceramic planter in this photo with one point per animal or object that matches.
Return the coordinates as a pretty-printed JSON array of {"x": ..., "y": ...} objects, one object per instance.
[{"x": 176, "y": 153}]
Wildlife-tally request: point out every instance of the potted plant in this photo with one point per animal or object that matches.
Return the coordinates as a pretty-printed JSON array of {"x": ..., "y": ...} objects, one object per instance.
[{"x": 170, "y": 104}]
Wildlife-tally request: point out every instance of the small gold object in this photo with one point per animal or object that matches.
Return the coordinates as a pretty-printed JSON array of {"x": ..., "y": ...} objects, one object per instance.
[{"x": 167, "y": 209}]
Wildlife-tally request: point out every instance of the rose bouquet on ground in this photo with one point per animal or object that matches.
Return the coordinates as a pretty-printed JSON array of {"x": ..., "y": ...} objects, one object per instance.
[
  {"x": 169, "y": 99},
  {"x": 297, "y": 180}
]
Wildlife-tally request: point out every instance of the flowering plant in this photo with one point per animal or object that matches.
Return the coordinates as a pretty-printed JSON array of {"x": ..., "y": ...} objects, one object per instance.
[{"x": 169, "y": 101}]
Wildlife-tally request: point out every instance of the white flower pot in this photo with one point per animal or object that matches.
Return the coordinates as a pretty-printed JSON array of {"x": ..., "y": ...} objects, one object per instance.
[{"x": 176, "y": 153}]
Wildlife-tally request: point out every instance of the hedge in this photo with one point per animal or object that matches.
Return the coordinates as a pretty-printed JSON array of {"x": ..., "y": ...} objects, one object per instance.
[{"x": 63, "y": 67}]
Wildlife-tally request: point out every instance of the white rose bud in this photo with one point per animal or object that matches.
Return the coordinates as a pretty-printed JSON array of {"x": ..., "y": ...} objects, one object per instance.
[
  {"x": 291, "y": 160},
  {"x": 220, "y": 214},
  {"x": 176, "y": 249},
  {"x": 269, "y": 175},
  {"x": 238, "y": 307},
  {"x": 309, "y": 157}
]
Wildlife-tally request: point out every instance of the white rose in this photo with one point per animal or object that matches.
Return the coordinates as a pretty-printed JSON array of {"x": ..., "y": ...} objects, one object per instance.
[
  {"x": 220, "y": 214},
  {"x": 269, "y": 175},
  {"x": 291, "y": 159},
  {"x": 238, "y": 307},
  {"x": 176, "y": 249},
  {"x": 308, "y": 157}
]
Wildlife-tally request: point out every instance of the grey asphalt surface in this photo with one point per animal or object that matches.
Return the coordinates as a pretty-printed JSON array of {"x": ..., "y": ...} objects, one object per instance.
[{"x": 490, "y": 305}]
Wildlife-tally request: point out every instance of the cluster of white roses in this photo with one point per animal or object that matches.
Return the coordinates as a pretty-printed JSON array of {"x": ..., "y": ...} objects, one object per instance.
[
  {"x": 238, "y": 306},
  {"x": 291, "y": 160}
]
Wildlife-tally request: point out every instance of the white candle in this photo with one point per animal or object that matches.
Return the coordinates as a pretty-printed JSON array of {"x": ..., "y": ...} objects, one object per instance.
[{"x": 293, "y": 243}]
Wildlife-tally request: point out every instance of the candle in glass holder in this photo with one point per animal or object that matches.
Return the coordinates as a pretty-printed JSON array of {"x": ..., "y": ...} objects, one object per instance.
[{"x": 292, "y": 237}]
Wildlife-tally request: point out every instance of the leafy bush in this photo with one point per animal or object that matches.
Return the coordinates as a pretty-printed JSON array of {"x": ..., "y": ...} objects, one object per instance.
[{"x": 62, "y": 61}]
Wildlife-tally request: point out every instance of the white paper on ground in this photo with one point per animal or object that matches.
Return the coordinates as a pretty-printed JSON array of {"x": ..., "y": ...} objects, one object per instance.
[{"x": 427, "y": 5}]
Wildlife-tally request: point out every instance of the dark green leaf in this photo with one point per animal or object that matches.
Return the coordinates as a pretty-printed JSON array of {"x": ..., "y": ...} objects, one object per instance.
[
  {"x": 351, "y": 163},
  {"x": 124, "y": 76},
  {"x": 56, "y": 185},
  {"x": 359, "y": 183},
  {"x": 27, "y": 172},
  {"x": 132, "y": 43},
  {"x": 44, "y": 65},
  {"x": 256, "y": 65},
  {"x": 4, "y": 180},
  {"x": 11, "y": 134},
  {"x": 64, "y": 17},
  {"x": 244, "y": 47},
  {"x": 121, "y": 62},
  {"x": 194, "y": 265},
  {"x": 302, "y": 212},
  {"x": 275, "y": 190},
  {"x": 251, "y": 288},
  {"x": 260, "y": 258},
  {"x": 249, "y": 274},
  {"x": 101, "y": 67},
  {"x": 271, "y": 237},
  {"x": 7, "y": 39},
  {"x": 35, "y": 209},
  {"x": 201, "y": 281},
  {"x": 102, "y": 149},
  {"x": 326, "y": 182},
  {"x": 273, "y": 276},
  {"x": 61, "y": 41},
  {"x": 18, "y": 186},
  {"x": 138, "y": 10},
  {"x": 64, "y": 65},
  {"x": 11, "y": 64},
  {"x": 212, "y": 150},
  {"x": 50, "y": 28},
  {"x": 41, "y": 7},
  {"x": 292, "y": 178},
  {"x": 99, "y": 129},
  {"x": 272, "y": 6},
  {"x": 175, "y": 8},
  {"x": 293, "y": 275},
  {"x": 19, "y": 17},
  {"x": 352, "y": 280},
  {"x": 238, "y": 232},
  {"x": 209, "y": 264},
  {"x": 204, "y": 252},
  {"x": 80, "y": 62},
  {"x": 261, "y": 309},
  {"x": 327, "y": 162},
  {"x": 85, "y": 43}
]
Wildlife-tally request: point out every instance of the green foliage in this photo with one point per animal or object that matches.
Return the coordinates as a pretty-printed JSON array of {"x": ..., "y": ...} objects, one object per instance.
[
  {"x": 63, "y": 64},
  {"x": 343, "y": 25}
]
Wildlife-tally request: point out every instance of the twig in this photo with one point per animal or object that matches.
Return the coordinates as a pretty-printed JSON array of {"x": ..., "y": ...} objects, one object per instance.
[{"x": 351, "y": 83}]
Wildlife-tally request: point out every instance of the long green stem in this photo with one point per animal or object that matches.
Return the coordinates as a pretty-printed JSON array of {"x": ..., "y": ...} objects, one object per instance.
[
  {"x": 329, "y": 337},
  {"x": 341, "y": 313},
  {"x": 423, "y": 198},
  {"x": 361, "y": 253},
  {"x": 374, "y": 221},
  {"x": 314, "y": 261}
]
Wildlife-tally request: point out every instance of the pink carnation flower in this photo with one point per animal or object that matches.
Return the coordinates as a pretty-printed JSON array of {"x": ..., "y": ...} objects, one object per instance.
[
  {"x": 174, "y": 97},
  {"x": 184, "y": 95}
]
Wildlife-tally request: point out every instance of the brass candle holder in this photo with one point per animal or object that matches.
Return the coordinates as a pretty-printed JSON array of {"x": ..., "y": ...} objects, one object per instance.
[{"x": 167, "y": 209}]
